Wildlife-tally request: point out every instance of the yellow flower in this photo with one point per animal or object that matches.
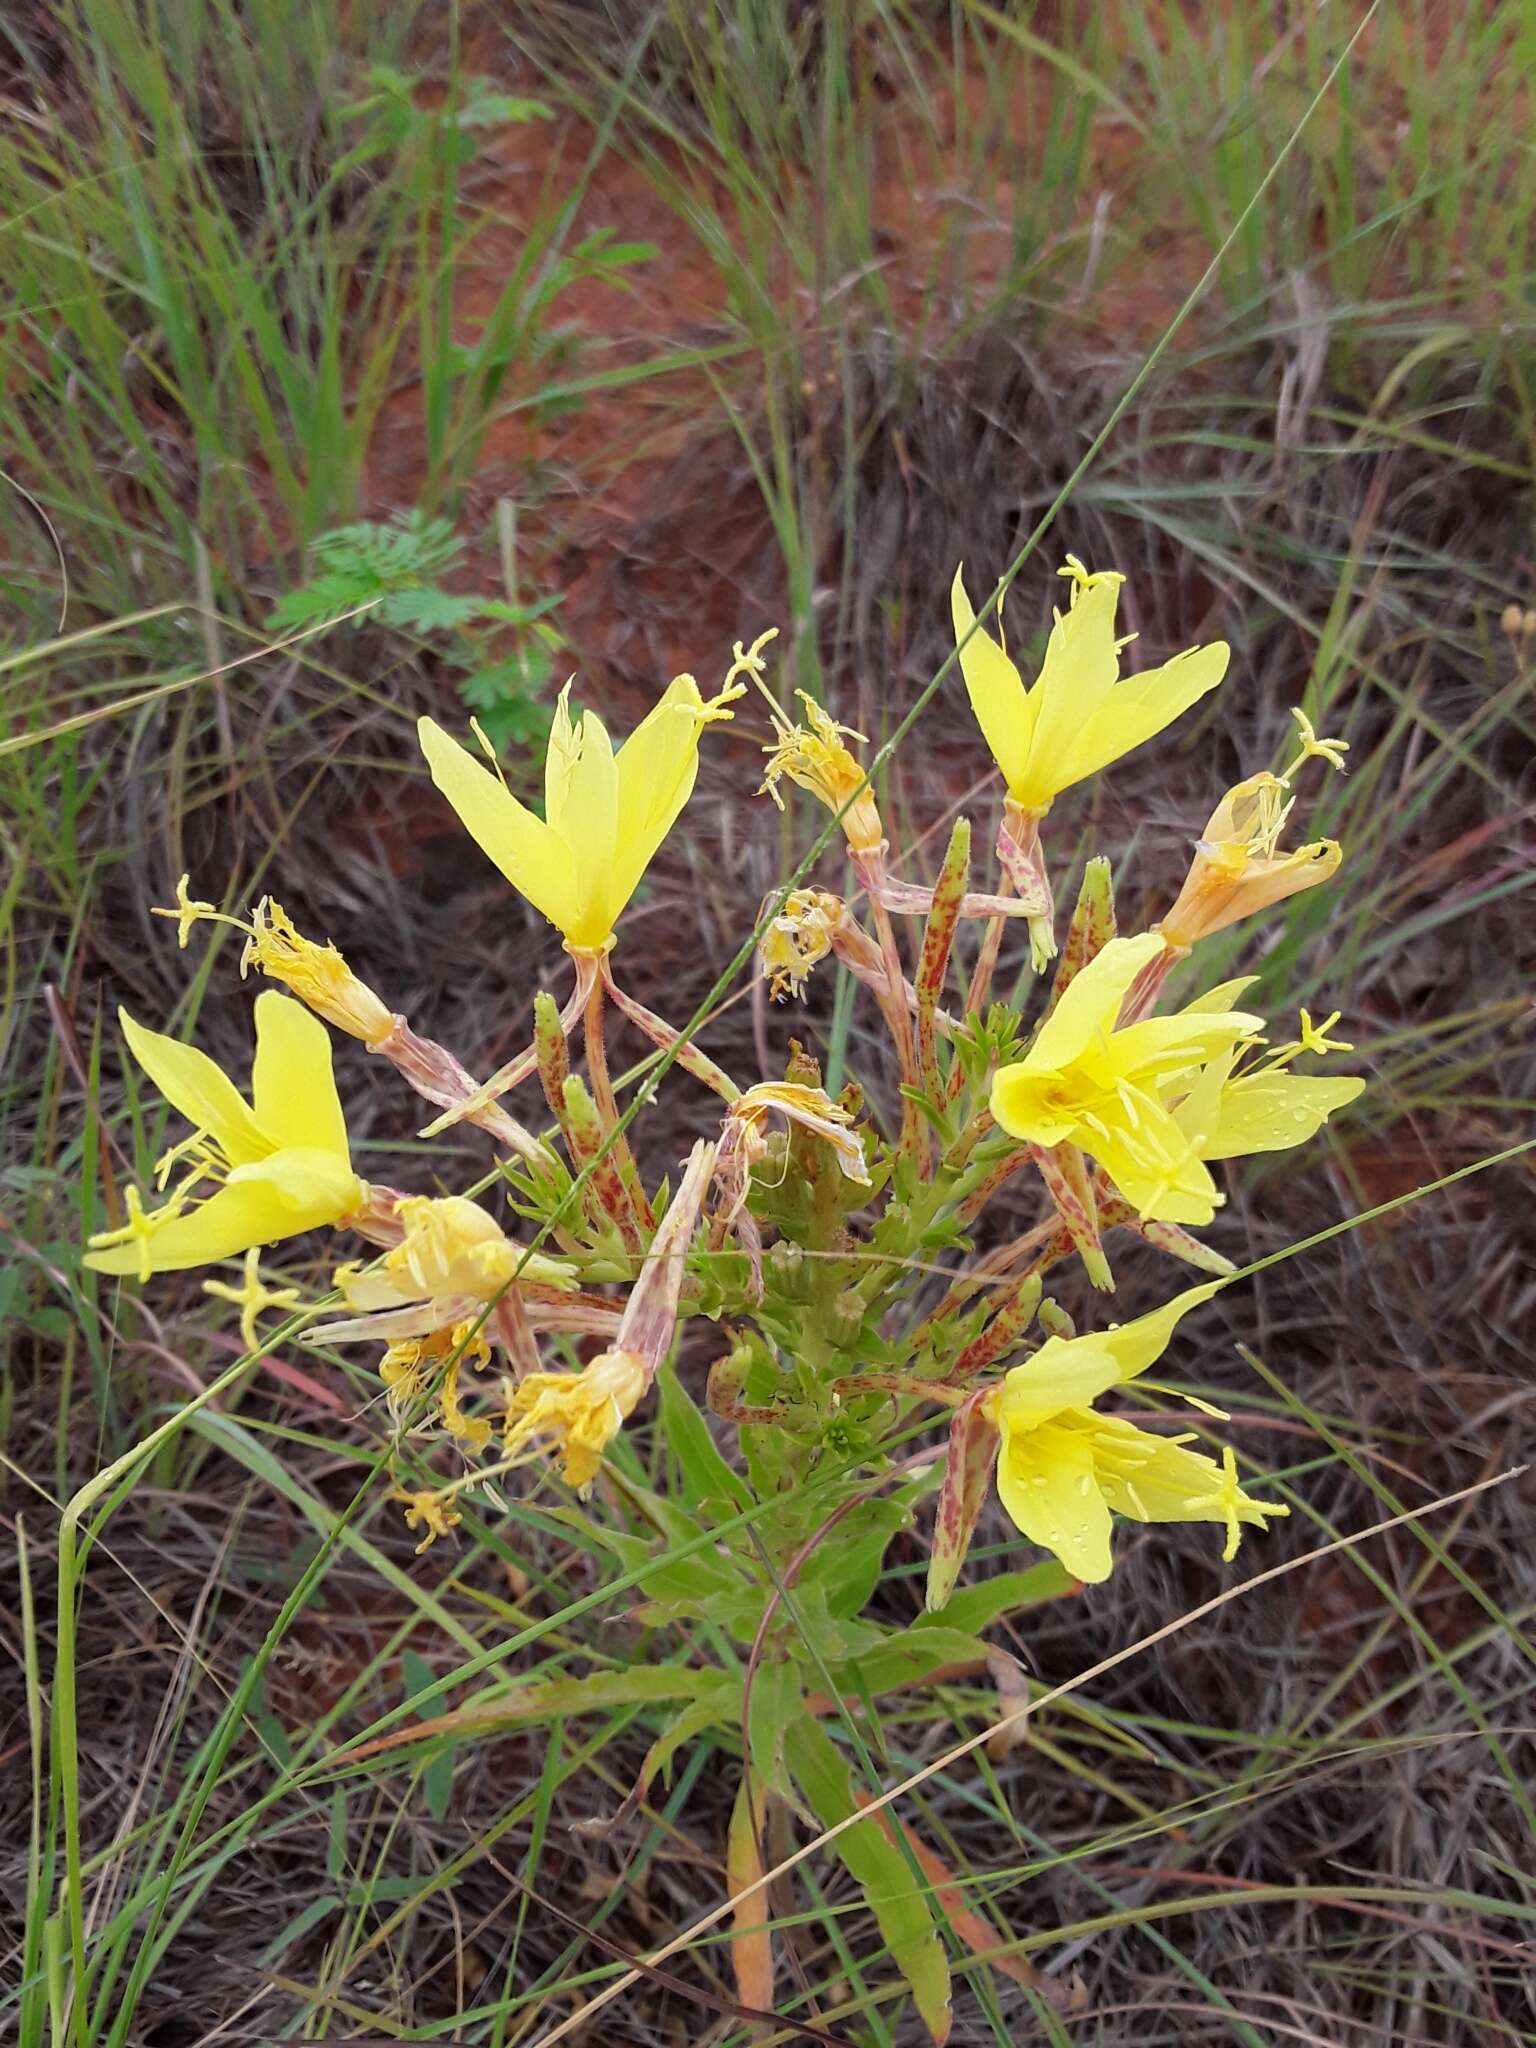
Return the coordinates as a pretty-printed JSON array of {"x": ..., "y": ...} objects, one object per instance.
[
  {"x": 605, "y": 813},
  {"x": 452, "y": 1254},
  {"x": 1078, "y": 716},
  {"x": 577, "y": 1414},
  {"x": 816, "y": 759},
  {"x": 1063, "y": 1468},
  {"x": 280, "y": 1163},
  {"x": 1086, "y": 1083},
  {"x": 1238, "y": 868},
  {"x": 318, "y": 975}
]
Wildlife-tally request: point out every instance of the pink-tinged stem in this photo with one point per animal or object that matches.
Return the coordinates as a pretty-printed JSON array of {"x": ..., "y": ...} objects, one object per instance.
[
  {"x": 978, "y": 1198},
  {"x": 1009, "y": 1322},
  {"x": 434, "y": 1073},
  {"x": 870, "y": 866},
  {"x": 512, "y": 1331},
  {"x": 1141, "y": 997},
  {"x": 661, "y": 1033},
  {"x": 933, "y": 962},
  {"x": 519, "y": 1068},
  {"x": 910, "y": 899},
  {"x": 608, "y": 1108},
  {"x": 1115, "y": 1213}
]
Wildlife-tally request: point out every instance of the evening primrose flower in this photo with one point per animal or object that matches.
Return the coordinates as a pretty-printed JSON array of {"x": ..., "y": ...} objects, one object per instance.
[
  {"x": 605, "y": 812},
  {"x": 1088, "y": 1082},
  {"x": 279, "y": 1164},
  {"x": 799, "y": 939},
  {"x": 1064, "y": 1469},
  {"x": 1078, "y": 716},
  {"x": 812, "y": 1108}
]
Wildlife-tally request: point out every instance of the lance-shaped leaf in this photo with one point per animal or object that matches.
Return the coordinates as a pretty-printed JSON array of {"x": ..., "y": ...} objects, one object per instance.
[
  {"x": 897, "y": 1896},
  {"x": 968, "y": 1470}
]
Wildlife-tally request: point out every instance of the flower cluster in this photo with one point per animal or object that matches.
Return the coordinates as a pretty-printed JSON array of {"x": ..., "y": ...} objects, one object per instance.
[{"x": 810, "y": 1225}]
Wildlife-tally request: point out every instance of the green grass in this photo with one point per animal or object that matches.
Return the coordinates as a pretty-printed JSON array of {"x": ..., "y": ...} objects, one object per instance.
[{"x": 231, "y": 249}]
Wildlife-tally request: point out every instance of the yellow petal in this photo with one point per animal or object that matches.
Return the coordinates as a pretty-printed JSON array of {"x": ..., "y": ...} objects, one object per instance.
[
  {"x": 588, "y": 827},
  {"x": 196, "y": 1085},
  {"x": 533, "y": 858},
  {"x": 1269, "y": 1112},
  {"x": 658, "y": 765},
  {"x": 1156, "y": 1169},
  {"x": 254, "y": 1212},
  {"x": 1077, "y": 677},
  {"x": 1025, "y": 1105},
  {"x": 1091, "y": 1002},
  {"x": 1152, "y": 1479},
  {"x": 998, "y": 697},
  {"x": 1159, "y": 1048},
  {"x": 1046, "y": 1481},
  {"x": 293, "y": 1087},
  {"x": 1139, "y": 708},
  {"x": 313, "y": 1186},
  {"x": 1135, "y": 1345},
  {"x": 1066, "y": 1372}
]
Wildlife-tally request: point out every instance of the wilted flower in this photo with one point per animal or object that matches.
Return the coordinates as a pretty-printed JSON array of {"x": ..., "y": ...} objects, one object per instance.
[
  {"x": 451, "y": 1261},
  {"x": 605, "y": 813},
  {"x": 1063, "y": 1467},
  {"x": 798, "y": 939},
  {"x": 816, "y": 758},
  {"x": 812, "y": 1108},
  {"x": 279, "y": 1164},
  {"x": 1238, "y": 868},
  {"x": 576, "y": 1415}
]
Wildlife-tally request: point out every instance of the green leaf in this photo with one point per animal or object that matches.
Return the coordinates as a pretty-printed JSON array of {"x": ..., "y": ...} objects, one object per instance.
[
  {"x": 327, "y": 597},
  {"x": 775, "y": 1703},
  {"x": 876, "y": 1863},
  {"x": 429, "y": 610},
  {"x": 908, "y": 1659},
  {"x": 847, "y": 1566},
  {"x": 708, "y": 1481},
  {"x": 975, "y": 1608}
]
